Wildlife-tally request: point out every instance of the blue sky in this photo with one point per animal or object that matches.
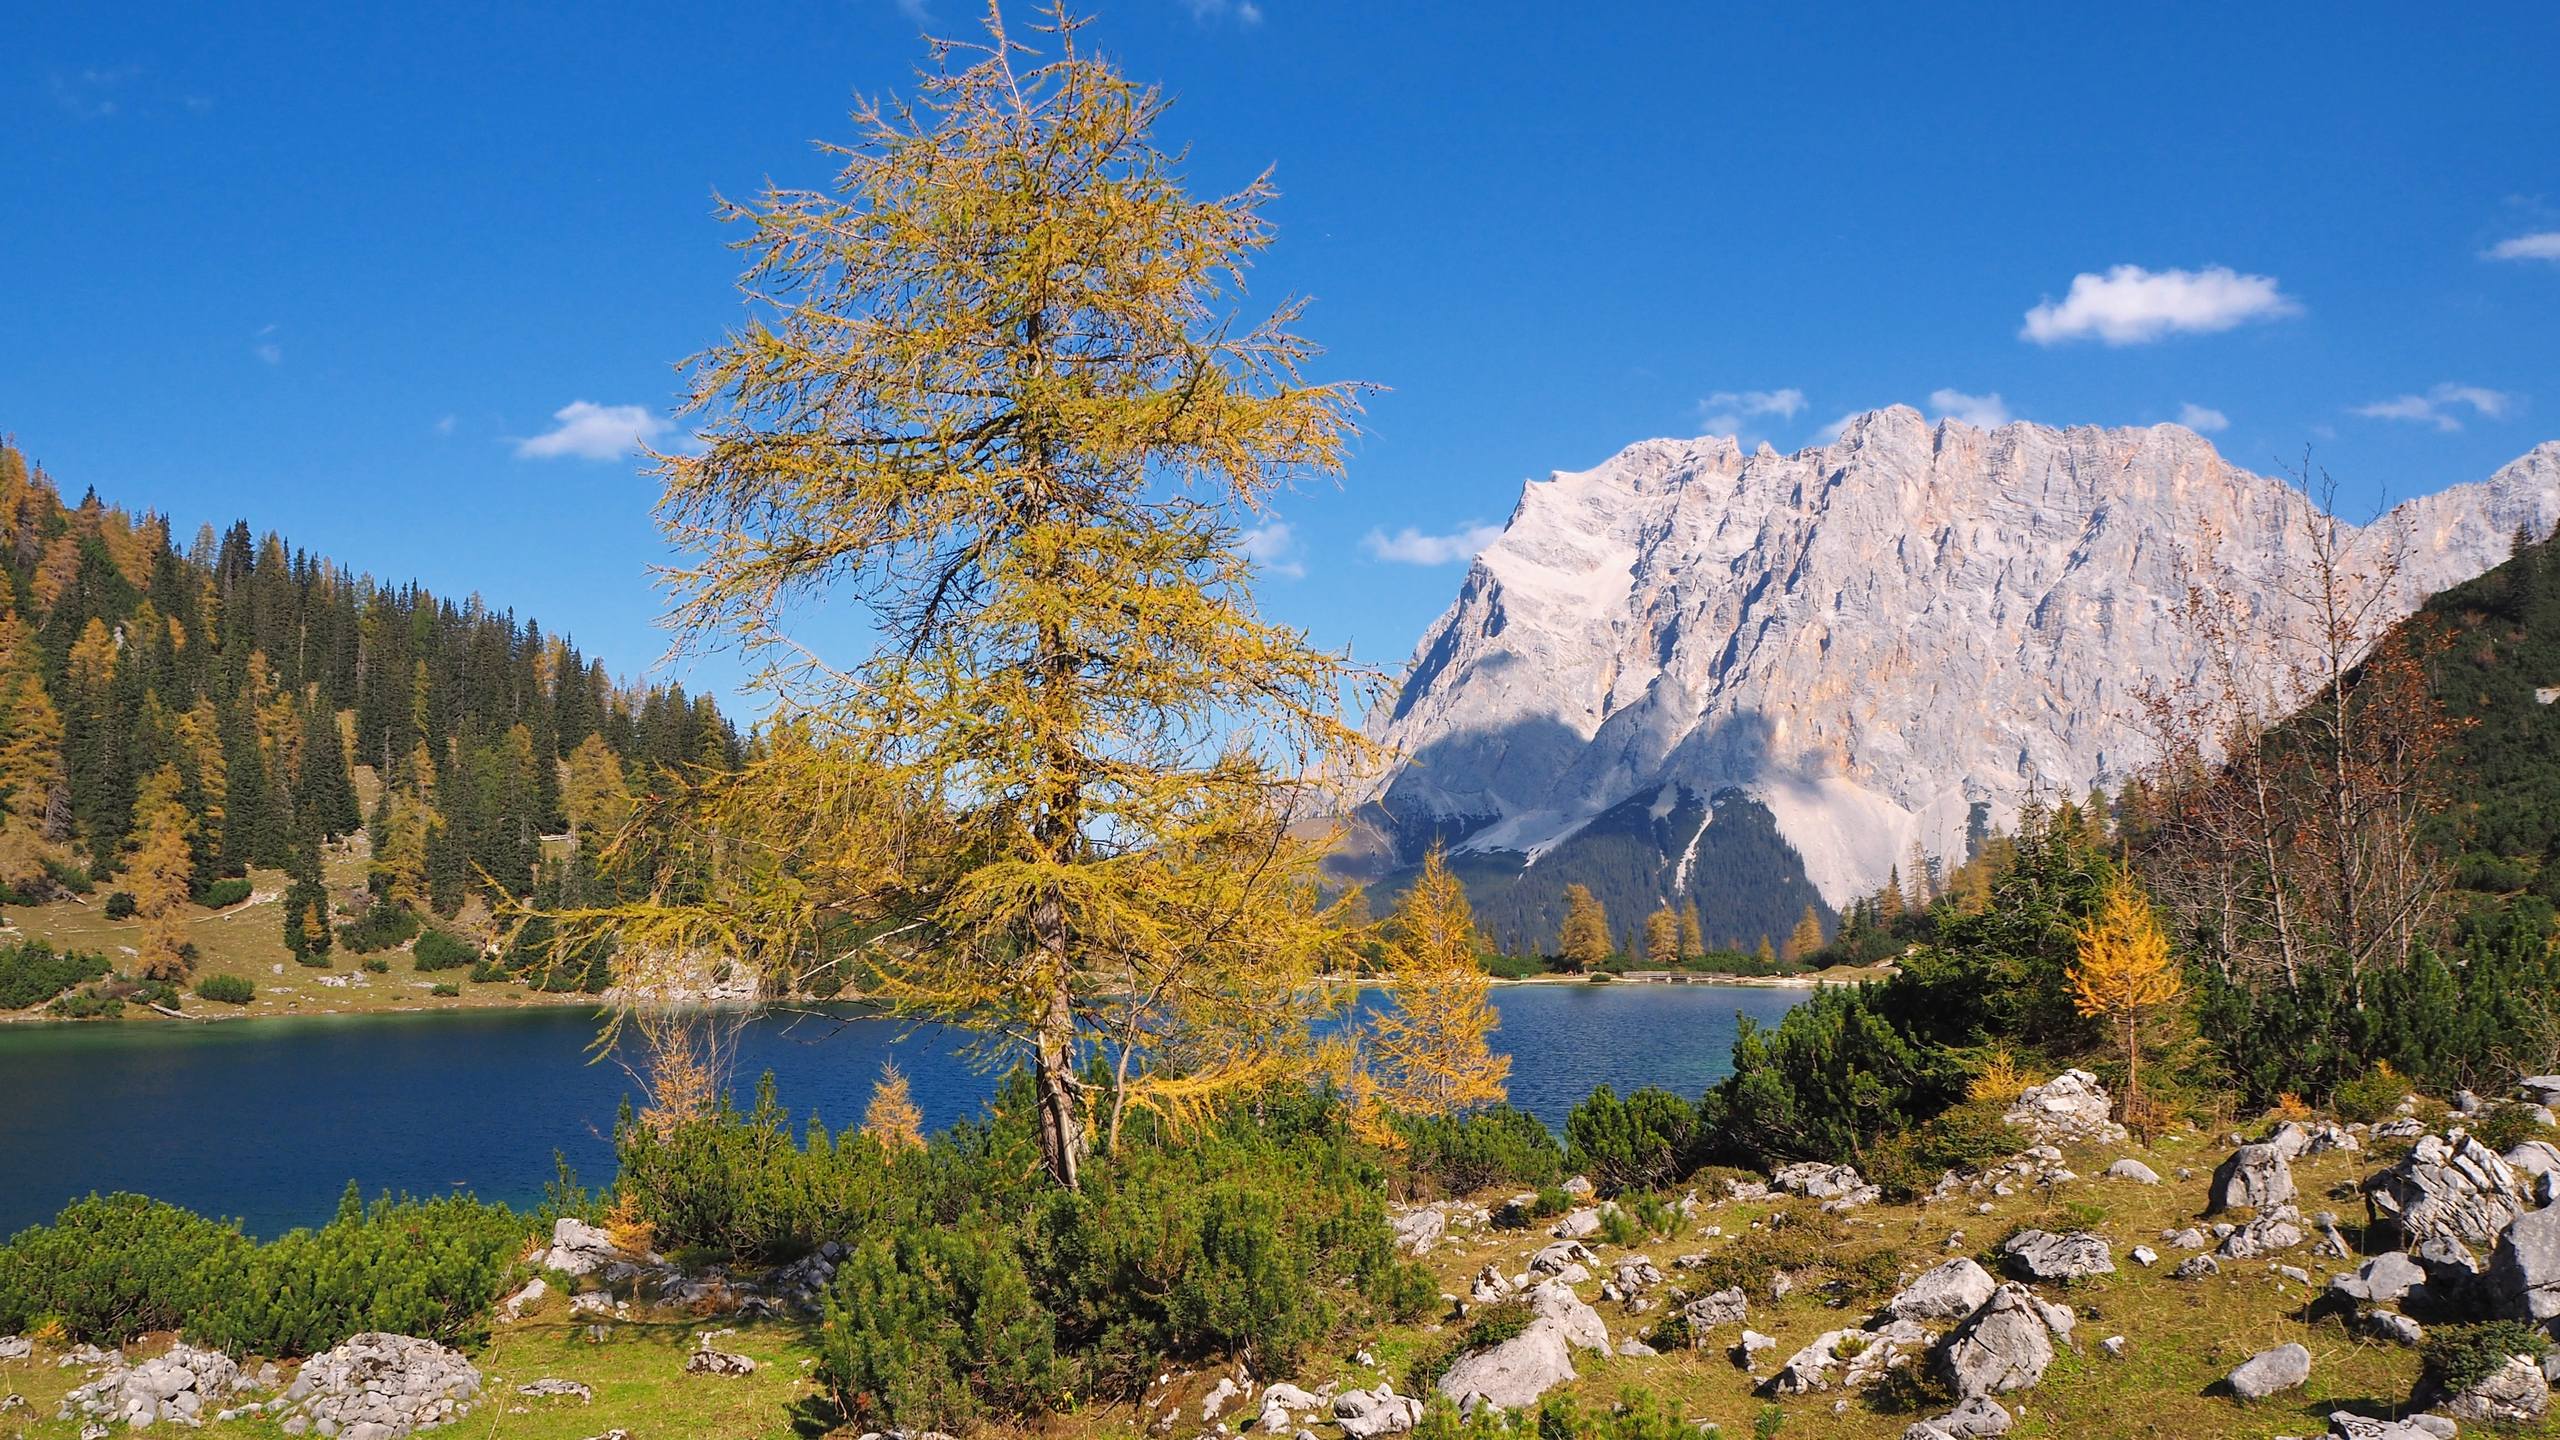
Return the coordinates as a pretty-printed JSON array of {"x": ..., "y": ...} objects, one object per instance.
[{"x": 339, "y": 269}]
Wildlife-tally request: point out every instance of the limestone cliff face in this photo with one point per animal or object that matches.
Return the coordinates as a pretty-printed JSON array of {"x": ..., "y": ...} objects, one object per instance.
[{"x": 1870, "y": 638}]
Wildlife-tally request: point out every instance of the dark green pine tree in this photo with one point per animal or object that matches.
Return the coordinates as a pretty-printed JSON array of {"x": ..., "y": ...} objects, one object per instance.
[
  {"x": 448, "y": 867},
  {"x": 324, "y": 796},
  {"x": 306, "y": 903}
]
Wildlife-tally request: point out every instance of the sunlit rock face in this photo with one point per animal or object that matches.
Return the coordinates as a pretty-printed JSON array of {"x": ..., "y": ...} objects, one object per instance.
[{"x": 1884, "y": 640}]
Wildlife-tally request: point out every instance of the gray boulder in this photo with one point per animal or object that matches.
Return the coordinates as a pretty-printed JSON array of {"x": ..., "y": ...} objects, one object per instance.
[
  {"x": 1977, "y": 1418},
  {"x": 2539, "y": 1090},
  {"x": 1839, "y": 1187},
  {"x": 2042, "y": 1255},
  {"x": 2196, "y": 1267},
  {"x": 380, "y": 1386},
  {"x": 2003, "y": 1346},
  {"x": 1579, "y": 1224},
  {"x": 2134, "y": 1170},
  {"x": 2270, "y": 1371},
  {"x": 1705, "y": 1313},
  {"x": 2514, "y": 1394},
  {"x": 2524, "y": 1270},
  {"x": 1511, "y": 1375},
  {"x": 578, "y": 1248},
  {"x": 1555, "y": 1304},
  {"x": 2346, "y": 1426},
  {"x": 1948, "y": 1292},
  {"x": 2278, "y": 1229},
  {"x": 1418, "y": 1229},
  {"x": 2258, "y": 1175},
  {"x": 2386, "y": 1279},
  {"x": 2390, "y": 1326},
  {"x": 1366, "y": 1413},
  {"x": 16, "y": 1347},
  {"x": 2072, "y": 1106},
  {"x": 1860, "y": 1357},
  {"x": 2454, "y": 1187}
]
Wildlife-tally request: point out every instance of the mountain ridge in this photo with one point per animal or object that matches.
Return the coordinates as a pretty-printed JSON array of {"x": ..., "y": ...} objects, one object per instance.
[{"x": 1888, "y": 640}]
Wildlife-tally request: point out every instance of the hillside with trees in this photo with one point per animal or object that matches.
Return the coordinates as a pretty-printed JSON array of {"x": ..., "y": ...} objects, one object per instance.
[{"x": 176, "y": 714}]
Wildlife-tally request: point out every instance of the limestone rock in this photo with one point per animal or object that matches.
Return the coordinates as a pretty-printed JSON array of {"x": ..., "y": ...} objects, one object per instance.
[
  {"x": 1707, "y": 1312},
  {"x": 2514, "y": 1394},
  {"x": 708, "y": 1359},
  {"x": 2524, "y": 1271},
  {"x": 1977, "y": 1418},
  {"x": 2042, "y": 1255},
  {"x": 1839, "y": 1187},
  {"x": 2386, "y": 1279},
  {"x": 1418, "y": 1229},
  {"x": 2344, "y": 1425},
  {"x": 2003, "y": 1346},
  {"x": 184, "y": 1386},
  {"x": 2270, "y": 1371},
  {"x": 1513, "y": 1374},
  {"x": 2072, "y": 1106},
  {"x": 1557, "y": 1305},
  {"x": 1366, "y": 1413},
  {"x": 377, "y": 1386},
  {"x": 2454, "y": 1187},
  {"x": 2257, "y": 1175},
  {"x": 1949, "y": 1292},
  {"x": 2134, "y": 1170}
]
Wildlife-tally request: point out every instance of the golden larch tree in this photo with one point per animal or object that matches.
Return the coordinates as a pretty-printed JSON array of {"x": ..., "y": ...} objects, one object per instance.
[
  {"x": 1429, "y": 1051},
  {"x": 993, "y": 395},
  {"x": 1693, "y": 932},
  {"x": 2124, "y": 972},
  {"x": 1662, "y": 939},
  {"x": 1585, "y": 939},
  {"x": 162, "y": 876},
  {"x": 892, "y": 1117},
  {"x": 1806, "y": 938}
]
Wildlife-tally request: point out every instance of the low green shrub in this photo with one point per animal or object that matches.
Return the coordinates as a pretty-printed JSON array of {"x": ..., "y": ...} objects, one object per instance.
[
  {"x": 378, "y": 964},
  {"x": 2505, "y": 1125},
  {"x": 87, "y": 1003},
  {"x": 430, "y": 1268},
  {"x": 490, "y": 972},
  {"x": 1620, "y": 1227},
  {"x": 2457, "y": 1357},
  {"x": 1459, "y": 1155},
  {"x": 223, "y": 894},
  {"x": 113, "y": 1266},
  {"x": 121, "y": 905},
  {"x": 936, "y": 1329},
  {"x": 383, "y": 926},
  {"x": 2369, "y": 1097},
  {"x": 438, "y": 950},
  {"x": 227, "y": 989},
  {"x": 32, "y": 972},
  {"x": 446, "y": 990},
  {"x": 1643, "y": 1142}
]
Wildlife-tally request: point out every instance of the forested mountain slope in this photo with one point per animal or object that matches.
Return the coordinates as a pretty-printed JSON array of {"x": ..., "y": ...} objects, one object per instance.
[{"x": 173, "y": 712}]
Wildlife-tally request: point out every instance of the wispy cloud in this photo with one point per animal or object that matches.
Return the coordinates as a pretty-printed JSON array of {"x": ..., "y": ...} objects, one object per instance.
[
  {"x": 266, "y": 346},
  {"x": 2540, "y": 245},
  {"x": 2441, "y": 405},
  {"x": 1987, "y": 411},
  {"x": 914, "y": 11},
  {"x": 1273, "y": 546},
  {"x": 1409, "y": 546},
  {"x": 1730, "y": 412},
  {"x": 588, "y": 431},
  {"x": 445, "y": 424},
  {"x": 1243, "y": 12},
  {"x": 94, "y": 94},
  {"x": 2203, "y": 419},
  {"x": 2130, "y": 305}
]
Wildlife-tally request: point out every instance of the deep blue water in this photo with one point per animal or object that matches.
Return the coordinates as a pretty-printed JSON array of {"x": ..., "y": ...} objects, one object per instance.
[{"x": 268, "y": 1121}]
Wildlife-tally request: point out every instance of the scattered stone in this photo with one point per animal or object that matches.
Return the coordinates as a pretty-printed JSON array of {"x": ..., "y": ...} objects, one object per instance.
[
  {"x": 1839, "y": 1187},
  {"x": 2258, "y": 1176},
  {"x": 2514, "y": 1394},
  {"x": 377, "y": 1387},
  {"x": 1580, "y": 1185},
  {"x": 1555, "y": 1304},
  {"x": 2115, "y": 1346},
  {"x": 2133, "y": 1170},
  {"x": 2042, "y": 1255},
  {"x": 1632, "y": 1277},
  {"x": 1949, "y": 1292},
  {"x": 2145, "y": 1256},
  {"x": 183, "y": 1386},
  {"x": 16, "y": 1347},
  {"x": 1577, "y": 1225},
  {"x": 1863, "y": 1356},
  {"x": 514, "y": 1306},
  {"x": 1978, "y": 1418},
  {"x": 2196, "y": 1267},
  {"x": 1220, "y": 1396},
  {"x": 1705, "y": 1313},
  {"x": 2003, "y": 1346},
  {"x": 1556, "y": 1258},
  {"x": 1634, "y": 1349},
  {"x": 2537, "y": 1167},
  {"x": 2391, "y": 1327},
  {"x": 2386, "y": 1279},
  {"x": 2275, "y": 1230},
  {"x": 2190, "y": 1238},
  {"x": 2270, "y": 1371},
  {"x": 549, "y": 1389},
  {"x": 2344, "y": 1425},
  {"x": 708, "y": 1360},
  {"x": 1491, "y": 1286},
  {"x": 2456, "y": 1188},
  {"x": 2524, "y": 1271},
  {"x": 2294, "y": 1273},
  {"x": 578, "y": 1248},
  {"x": 1747, "y": 1350},
  {"x": 1364, "y": 1413},
  {"x": 2071, "y": 1107},
  {"x": 1418, "y": 1229}
]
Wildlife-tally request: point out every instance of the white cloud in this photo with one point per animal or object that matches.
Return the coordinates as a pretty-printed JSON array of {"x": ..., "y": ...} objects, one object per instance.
[
  {"x": 1729, "y": 412},
  {"x": 1274, "y": 547},
  {"x": 2541, "y": 245},
  {"x": 1244, "y": 12},
  {"x": 1409, "y": 546},
  {"x": 2439, "y": 405},
  {"x": 2203, "y": 419},
  {"x": 1988, "y": 411},
  {"x": 267, "y": 347},
  {"x": 445, "y": 423},
  {"x": 593, "y": 432},
  {"x": 92, "y": 94},
  {"x": 2130, "y": 305},
  {"x": 914, "y": 10}
]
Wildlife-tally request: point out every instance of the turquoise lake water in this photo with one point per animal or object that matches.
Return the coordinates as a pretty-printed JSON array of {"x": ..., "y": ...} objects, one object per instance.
[{"x": 268, "y": 1121}]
